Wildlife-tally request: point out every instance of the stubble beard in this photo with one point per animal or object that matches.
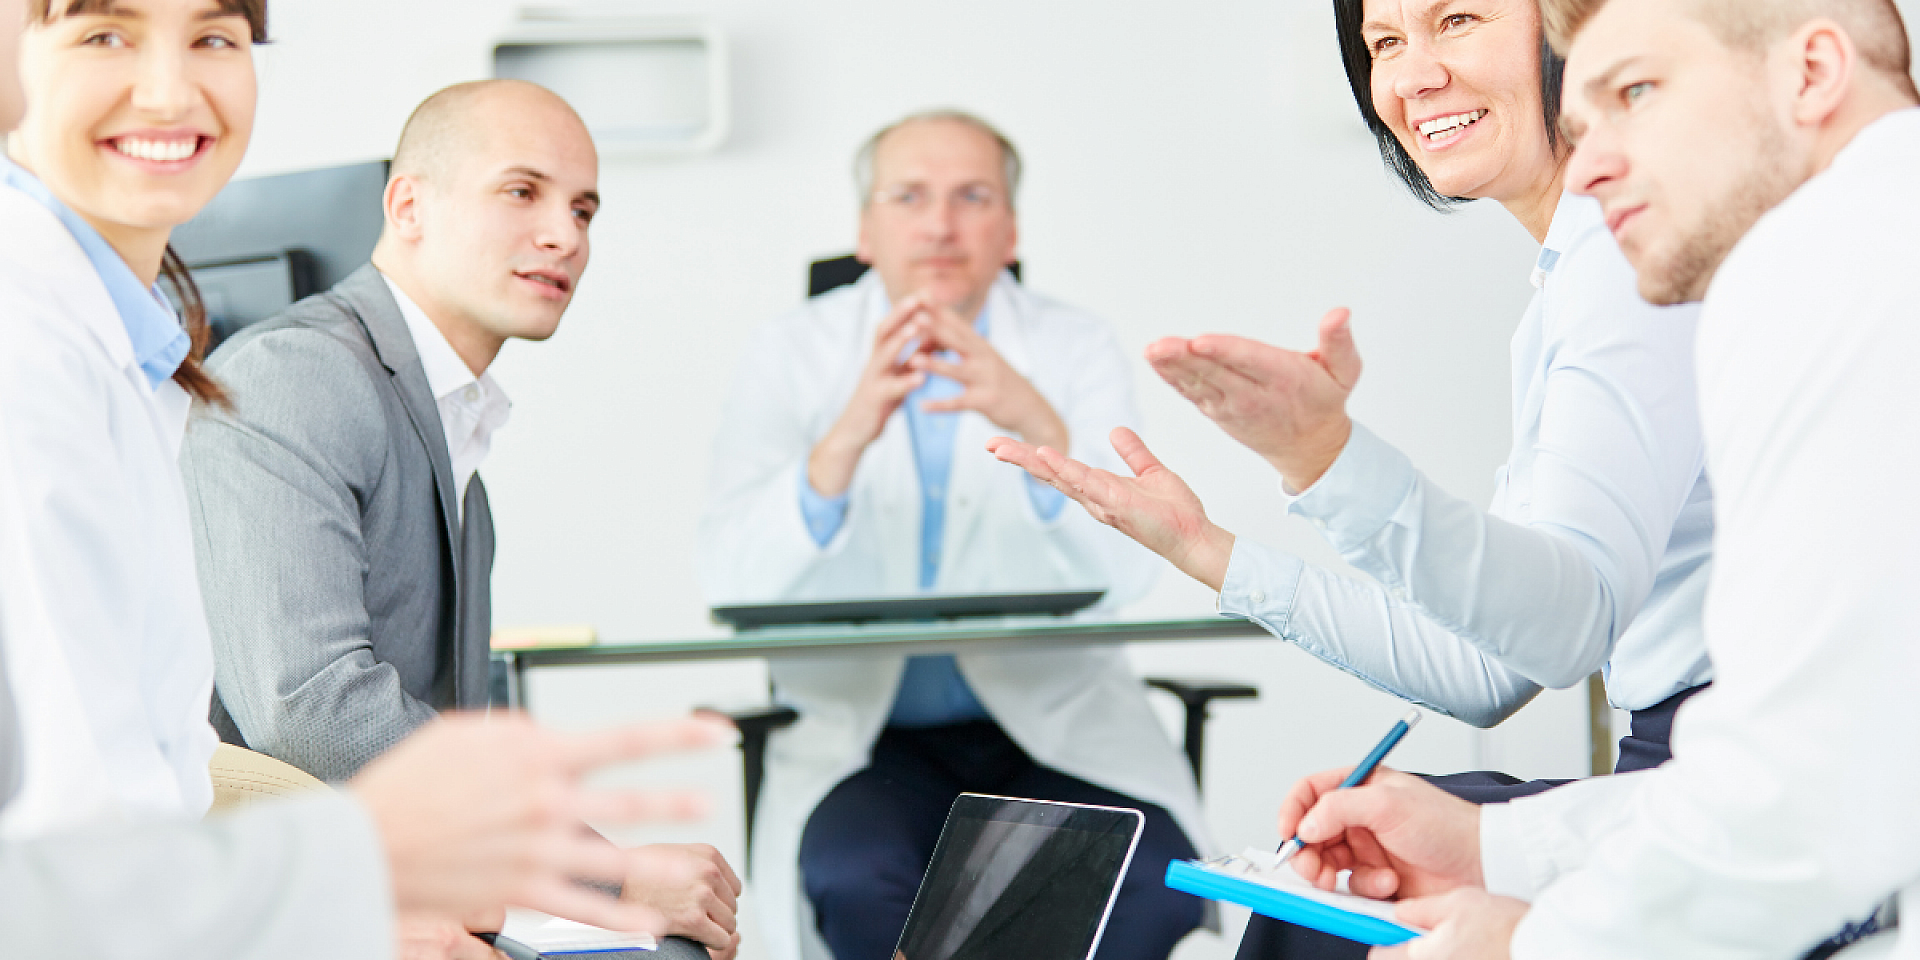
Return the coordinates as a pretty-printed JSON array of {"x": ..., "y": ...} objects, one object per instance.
[{"x": 1768, "y": 178}]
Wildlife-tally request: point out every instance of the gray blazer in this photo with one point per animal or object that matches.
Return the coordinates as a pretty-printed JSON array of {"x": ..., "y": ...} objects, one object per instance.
[{"x": 346, "y": 606}]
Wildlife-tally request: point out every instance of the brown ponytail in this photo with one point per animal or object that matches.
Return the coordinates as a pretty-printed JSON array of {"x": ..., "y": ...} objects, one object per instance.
[{"x": 192, "y": 376}]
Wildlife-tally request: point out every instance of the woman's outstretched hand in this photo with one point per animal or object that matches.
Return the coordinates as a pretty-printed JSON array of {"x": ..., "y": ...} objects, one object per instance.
[
  {"x": 1154, "y": 506},
  {"x": 1288, "y": 407}
]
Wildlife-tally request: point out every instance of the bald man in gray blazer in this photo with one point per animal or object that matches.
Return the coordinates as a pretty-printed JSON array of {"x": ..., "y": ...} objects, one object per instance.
[
  {"x": 341, "y": 529},
  {"x": 346, "y": 586}
]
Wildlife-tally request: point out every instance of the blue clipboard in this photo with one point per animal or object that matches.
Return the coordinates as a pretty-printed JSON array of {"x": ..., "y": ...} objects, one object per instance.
[{"x": 1189, "y": 877}]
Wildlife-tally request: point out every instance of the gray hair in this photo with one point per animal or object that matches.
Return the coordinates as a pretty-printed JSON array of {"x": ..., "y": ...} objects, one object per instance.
[{"x": 863, "y": 161}]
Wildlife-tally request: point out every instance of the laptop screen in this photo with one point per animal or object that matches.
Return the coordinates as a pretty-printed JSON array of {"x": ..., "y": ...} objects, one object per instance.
[{"x": 1019, "y": 878}]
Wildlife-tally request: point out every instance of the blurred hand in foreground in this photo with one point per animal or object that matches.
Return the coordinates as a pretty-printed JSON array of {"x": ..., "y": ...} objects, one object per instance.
[{"x": 476, "y": 813}]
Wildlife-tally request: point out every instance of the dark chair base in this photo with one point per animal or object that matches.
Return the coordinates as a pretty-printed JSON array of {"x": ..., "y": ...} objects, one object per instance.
[
  {"x": 1195, "y": 695},
  {"x": 755, "y": 724}
]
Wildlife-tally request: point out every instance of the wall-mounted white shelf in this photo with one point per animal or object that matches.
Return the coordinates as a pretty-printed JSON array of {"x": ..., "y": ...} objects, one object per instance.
[{"x": 646, "y": 86}]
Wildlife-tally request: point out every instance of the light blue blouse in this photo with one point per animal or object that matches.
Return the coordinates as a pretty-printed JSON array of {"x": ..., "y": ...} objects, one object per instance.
[
  {"x": 160, "y": 344},
  {"x": 1594, "y": 555}
]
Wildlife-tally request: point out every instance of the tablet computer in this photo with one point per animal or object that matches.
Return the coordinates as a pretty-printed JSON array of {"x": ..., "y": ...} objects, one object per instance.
[
  {"x": 753, "y": 616},
  {"x": 1020, "y": 878}
]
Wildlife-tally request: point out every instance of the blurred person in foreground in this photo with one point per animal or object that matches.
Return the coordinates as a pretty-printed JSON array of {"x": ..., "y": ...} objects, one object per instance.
[{"x": 139, "y": 114}]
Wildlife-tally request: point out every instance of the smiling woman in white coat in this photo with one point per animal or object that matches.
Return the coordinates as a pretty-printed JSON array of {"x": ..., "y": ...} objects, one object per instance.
[
  {"x": 851, "y": 463},
  {"x": 136, "y": 116}
]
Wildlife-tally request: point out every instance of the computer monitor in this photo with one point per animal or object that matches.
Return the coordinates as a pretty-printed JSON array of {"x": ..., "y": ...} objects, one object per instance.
[
  {"x": 1020, "y": 878},
  {"x": 265, "y": 242}
]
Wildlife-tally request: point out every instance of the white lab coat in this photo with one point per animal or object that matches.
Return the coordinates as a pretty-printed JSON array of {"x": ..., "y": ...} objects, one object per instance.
[
  {"x": 1081, "y": 711},
  {"x": 100, "y": 613}
]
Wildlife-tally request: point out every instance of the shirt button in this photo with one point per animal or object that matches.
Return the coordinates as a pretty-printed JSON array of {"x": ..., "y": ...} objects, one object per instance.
[
  {"x": 1259, "y": 597},
  {"x": 472, "y": 393}
]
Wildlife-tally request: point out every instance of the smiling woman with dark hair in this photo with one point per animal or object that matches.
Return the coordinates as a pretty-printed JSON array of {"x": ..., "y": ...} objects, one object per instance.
[
  {"x": 1594, "y": 554},
  {"x": 1357, "y": 56}
]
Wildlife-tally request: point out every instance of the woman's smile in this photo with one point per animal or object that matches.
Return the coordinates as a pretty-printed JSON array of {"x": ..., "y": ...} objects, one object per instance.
[
  {"x": 1442, "y": 132},
  {"x": 160, "y": 151}
]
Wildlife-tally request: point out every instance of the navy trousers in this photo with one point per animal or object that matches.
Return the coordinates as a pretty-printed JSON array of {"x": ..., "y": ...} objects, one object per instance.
[
  {"x": 1645, "y": 748},
  {"x": 867, "y": 845}
]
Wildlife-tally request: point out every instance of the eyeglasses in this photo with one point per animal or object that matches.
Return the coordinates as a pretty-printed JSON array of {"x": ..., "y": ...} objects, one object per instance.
[{"x": 914, "y": 199}]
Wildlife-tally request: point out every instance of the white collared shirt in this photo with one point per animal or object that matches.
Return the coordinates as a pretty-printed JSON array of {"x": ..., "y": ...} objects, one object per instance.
[
  {"x": 1788, "y": 810},
  {"x": 1595, "y": 549},
  {"x": 471, "y": 408}
]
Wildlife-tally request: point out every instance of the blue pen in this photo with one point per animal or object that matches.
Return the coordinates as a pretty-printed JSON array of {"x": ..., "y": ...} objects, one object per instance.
[{"x": 1359, "y": 775}]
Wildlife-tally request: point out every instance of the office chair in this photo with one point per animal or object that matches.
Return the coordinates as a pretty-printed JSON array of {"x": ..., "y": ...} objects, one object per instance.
[{"x": 241, "y": 776}]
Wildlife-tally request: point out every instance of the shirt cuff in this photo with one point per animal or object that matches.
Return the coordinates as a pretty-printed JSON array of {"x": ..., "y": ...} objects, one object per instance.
[
  {"x": 1260, "y": 584},
  {"x": 1359, "y": 494},
  {"x": 824, "y": 515},
  {"x": 1503, "y": 859},
  {"x": 1047, "y": 501}
]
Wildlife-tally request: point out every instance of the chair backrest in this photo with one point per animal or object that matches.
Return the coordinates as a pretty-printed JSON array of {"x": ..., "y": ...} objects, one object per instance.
[
  {"x": 265, "y": 242},
  {"x": 241, "y": 776},
  {"x": 834, "y": 272}
]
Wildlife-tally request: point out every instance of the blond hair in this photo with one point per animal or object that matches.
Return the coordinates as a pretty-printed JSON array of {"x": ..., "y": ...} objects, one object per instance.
[{"x": 1875, "y": 26}]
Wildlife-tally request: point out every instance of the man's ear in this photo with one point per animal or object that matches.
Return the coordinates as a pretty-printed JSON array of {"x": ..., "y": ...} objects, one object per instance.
[
  {"x": 1013, "y": 244},
  {"x": 402, "y": 203},
  {"x": 1821, "y": 61}
]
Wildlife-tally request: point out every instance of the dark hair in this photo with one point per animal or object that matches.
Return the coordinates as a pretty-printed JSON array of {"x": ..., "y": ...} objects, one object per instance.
[
  {"x": 1354, "y": 55},
  {"x": 191, "y": 375}
]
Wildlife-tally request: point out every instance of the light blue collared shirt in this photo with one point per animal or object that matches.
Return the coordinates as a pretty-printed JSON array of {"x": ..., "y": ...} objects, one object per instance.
[
  {"x": 933, "y": 691},
  {"x": 160, "y": 344},
  {"x": 1595, "y": 551}
]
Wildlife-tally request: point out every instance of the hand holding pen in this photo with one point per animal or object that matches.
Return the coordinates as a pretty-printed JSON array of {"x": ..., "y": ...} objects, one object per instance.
[{"x": 1401, "y": 836}]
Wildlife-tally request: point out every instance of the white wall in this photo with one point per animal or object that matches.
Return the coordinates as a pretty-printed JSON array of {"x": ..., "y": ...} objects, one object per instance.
[{"x": 1192, "y": 168}]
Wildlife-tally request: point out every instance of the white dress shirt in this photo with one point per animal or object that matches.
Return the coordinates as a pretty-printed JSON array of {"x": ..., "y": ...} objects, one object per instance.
[
  {"x": 471, "y": 408},
  {"x": 1595, "y": 550},
  {"x": 1788, "y": 810},
  {"x": 100, "y": 613}
]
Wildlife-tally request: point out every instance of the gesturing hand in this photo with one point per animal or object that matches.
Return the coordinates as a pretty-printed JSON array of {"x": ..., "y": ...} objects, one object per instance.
[
  {"x": 1154, "y": 506},
  {"x": 1290, "y": 408},
  {"x": 993, "y": 388},
  {"x": 691, "y": 885},
  {"x": 1466, "y": 925},
  {"x": 886, "y": 380},
  {"x": 1401, "y": 836},
  {"x": 475, "y": 814}
]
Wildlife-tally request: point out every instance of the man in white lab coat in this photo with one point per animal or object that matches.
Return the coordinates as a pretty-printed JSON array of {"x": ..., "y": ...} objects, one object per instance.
[{"x": 852, "y": 463}]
